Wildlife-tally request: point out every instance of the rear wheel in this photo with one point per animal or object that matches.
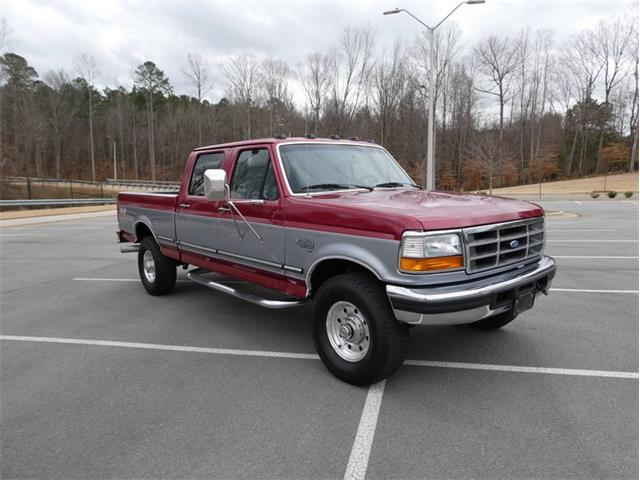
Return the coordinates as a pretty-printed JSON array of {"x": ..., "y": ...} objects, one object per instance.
[
  {"x": 354, "y": 330},
  {"x": 493, "y": 323},
  {"x": 157, "y": 272}
]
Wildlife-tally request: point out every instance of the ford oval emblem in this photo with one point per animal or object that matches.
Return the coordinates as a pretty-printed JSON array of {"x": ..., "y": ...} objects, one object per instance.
[{"x": 514, "y": 244}]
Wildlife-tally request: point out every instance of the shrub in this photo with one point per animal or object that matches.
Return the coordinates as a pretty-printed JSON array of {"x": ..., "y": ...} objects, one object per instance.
[
  {"x": 628, "y": 194},
  {"x": 595, "y": 194},
  {"x": 612, "y": 194}
]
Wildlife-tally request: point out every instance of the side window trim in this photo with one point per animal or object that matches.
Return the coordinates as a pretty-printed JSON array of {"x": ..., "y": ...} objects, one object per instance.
[
  {"x": 270, "y": 167},
  {"x": 195, "y": 166}
]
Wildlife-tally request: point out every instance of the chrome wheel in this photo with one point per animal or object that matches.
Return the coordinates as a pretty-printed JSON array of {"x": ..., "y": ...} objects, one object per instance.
[
  {"x": 348, "y": 331},
  {"x": 149, "y": 266}
]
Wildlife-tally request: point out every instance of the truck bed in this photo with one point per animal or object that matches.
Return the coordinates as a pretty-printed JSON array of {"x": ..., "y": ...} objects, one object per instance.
[{"x": 156, "y": 210}]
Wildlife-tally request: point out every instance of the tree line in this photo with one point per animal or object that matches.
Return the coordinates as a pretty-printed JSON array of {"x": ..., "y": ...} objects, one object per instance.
[{"x": 508, "y": 109}]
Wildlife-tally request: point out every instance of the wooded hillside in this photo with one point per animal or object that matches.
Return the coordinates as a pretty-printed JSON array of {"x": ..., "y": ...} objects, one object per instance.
[{"x": 509, "y": 110}]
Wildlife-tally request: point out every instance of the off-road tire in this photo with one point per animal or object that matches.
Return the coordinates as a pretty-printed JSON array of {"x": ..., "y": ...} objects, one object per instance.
[
  {"x": 389, "y": 339},
  {"x": 165, "y": 268}
]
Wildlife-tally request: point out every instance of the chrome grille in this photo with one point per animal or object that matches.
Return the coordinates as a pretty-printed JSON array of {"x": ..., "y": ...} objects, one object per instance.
[{"x": 493, "y": 246}]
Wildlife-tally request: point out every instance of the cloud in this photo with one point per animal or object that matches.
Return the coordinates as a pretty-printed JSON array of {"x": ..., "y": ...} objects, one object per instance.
[{"x": 122, "y": 35}]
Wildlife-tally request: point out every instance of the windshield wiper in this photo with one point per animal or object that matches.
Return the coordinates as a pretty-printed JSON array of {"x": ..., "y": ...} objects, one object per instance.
[
  {"x": 396, "y": 184},
  {"x": 334, "y": 186}
]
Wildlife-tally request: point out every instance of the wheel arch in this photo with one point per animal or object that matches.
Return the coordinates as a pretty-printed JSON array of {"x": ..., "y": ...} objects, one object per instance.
[
  {"x": 324, "y": 268},
  {"x": 142, "y": 228}
]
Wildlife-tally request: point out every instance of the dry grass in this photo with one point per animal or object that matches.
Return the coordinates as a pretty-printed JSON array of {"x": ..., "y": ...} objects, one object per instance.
[
  {"x": 625, "y": 182},
  {"x": 14, "y": 191}
]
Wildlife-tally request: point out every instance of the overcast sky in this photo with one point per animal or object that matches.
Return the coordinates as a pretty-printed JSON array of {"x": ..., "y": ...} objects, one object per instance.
[{"x": 121, "y": 35}]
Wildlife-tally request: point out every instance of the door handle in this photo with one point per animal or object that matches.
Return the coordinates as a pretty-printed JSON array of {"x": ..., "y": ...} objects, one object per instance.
[
  {"x": 224, "y": 210},
  {"x": 185, "y": 205}
]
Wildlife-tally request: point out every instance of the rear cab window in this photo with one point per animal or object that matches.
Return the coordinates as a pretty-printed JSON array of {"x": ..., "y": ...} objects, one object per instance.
[{"x": 205, "y": 161}]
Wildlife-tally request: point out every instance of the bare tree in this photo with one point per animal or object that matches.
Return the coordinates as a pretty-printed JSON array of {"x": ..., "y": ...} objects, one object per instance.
[
  {"x": 633, "y": 120},
  {"x": 242, "y": 74},
  {"x": 314, "y": 76},
  {"x": 498, "y": 60},
  {"x": 350, "y": 67},
  {"x": 447, "y": 47},
  {"x": 486, "y": 154},
  {"x": 390, "y": 81},
  {"x": 61, "y": 110},
  {"x": 584, "y": 68},
  {"x": 86, "y": 68},
  {"x": 274, "y": 80},
  {"x": 612, "y": 45},
  {"x": 197, "y": 74}
]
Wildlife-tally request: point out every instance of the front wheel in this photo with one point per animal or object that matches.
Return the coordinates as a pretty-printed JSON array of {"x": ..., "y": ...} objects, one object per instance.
[
  {"x": 354, "y": 330},
  {"x": 157, "y": 272}
]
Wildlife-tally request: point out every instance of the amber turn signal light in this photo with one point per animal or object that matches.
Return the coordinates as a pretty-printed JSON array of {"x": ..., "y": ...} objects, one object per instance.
[{"x": 428, "y": 264}]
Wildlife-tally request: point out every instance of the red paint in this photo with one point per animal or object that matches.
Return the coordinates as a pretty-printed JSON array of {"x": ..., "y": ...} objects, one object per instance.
[
  {"x": 388, "y": 213},
  {"x": 240, "y": 272},
  {"x": 383, "y": 213}
]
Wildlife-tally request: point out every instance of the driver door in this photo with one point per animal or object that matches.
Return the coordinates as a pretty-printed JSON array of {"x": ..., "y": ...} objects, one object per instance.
[{"x": 255, "y": 192}]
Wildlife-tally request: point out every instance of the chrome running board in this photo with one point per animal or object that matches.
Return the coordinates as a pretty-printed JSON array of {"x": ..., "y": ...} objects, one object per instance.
[{"x": 198, "y": 276}]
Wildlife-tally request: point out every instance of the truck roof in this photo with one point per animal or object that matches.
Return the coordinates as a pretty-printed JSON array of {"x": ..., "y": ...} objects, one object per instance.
[{"x": 274, "y": 140}]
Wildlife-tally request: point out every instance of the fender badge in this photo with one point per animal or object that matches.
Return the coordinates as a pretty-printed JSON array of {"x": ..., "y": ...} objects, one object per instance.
[{"x": 306, "y": 244}]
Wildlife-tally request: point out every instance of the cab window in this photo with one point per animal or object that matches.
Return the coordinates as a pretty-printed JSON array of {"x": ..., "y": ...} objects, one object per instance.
[
  {"x": 253, "y": 176},
  {"x": 203, "y": 162}
]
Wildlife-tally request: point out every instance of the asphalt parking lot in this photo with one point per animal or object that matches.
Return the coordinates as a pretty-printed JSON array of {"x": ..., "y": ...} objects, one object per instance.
[{"x": 101, "y": 380}]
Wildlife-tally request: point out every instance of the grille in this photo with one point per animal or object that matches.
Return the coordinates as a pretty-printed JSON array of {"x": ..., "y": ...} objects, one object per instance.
[{"x": 492, "y": 246}]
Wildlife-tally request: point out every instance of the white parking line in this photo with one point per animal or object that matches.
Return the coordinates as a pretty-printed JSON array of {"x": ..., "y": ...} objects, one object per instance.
[
  {"x": 83, "y": 279},
  {"x": 154, "y": 346},
  {"x": 591, "y": 256},
  {"x": 549, "y": 230},
  {"x": 519, "y": 369},
  {"x": 359, "y": 458},
  {"x": 591, "y": 291},
  {"x": 310, "y": 356},
  {"x": 581, "y": 240},
  {"x": 3, "y": 235}
]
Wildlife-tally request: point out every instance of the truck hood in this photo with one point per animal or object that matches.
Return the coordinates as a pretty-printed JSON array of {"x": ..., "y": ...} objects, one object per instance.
[{"x": 431, "y": 209}]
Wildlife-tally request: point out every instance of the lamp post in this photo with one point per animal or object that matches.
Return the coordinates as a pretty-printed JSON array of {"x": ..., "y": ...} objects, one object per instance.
[{"x": 431, "y": 170}]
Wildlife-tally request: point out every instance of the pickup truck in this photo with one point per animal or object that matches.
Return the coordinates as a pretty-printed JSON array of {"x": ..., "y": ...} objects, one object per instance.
[{"x": 338, "y": 224}]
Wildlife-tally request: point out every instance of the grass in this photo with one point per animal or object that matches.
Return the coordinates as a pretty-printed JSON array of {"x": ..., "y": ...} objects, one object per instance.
[{"x": 625, "y": 182}]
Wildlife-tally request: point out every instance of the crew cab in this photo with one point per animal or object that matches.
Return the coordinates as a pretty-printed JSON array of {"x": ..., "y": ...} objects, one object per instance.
[{"x": 339, "y": 225}]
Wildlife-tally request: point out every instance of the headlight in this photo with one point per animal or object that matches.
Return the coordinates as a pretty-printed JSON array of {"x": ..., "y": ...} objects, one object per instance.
[{"x": 428, "y": 252}]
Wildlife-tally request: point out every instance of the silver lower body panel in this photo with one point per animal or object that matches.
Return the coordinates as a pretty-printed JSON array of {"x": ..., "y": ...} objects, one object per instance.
[{"x": 473, "y": 301}]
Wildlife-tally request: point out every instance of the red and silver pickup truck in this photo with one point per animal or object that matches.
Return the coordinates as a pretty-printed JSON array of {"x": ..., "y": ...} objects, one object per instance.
[{"x": 340, "y": 225}]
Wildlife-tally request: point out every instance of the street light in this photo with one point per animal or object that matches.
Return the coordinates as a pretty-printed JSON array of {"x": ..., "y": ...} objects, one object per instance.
[{"x": 431, "y": 171}]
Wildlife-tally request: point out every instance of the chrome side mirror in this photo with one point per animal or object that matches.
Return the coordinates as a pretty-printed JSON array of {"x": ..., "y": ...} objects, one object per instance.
[{"x": 214, "y": 184}]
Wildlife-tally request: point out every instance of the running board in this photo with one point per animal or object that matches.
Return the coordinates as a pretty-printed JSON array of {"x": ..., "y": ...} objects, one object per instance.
[{"x": 198, "y": 276}]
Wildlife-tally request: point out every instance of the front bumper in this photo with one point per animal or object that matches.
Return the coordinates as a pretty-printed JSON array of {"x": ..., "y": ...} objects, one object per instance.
[{"x": 470, "y": 301}]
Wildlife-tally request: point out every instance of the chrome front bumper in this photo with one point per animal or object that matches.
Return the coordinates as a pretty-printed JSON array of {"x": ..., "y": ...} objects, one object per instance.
[{"x": 472, "y": 301}]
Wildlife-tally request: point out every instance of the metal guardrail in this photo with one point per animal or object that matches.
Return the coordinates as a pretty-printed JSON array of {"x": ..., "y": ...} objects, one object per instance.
[
  {"x": 143, "y": 183},
  {"x": 14, "y": 179},
  {"x": 56, "y": 201},
  {"x": 108, "y": 182}
]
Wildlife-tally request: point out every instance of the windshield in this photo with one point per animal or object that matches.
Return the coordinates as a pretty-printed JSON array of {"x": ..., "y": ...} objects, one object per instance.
[{"x": 322, "y": 167}]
